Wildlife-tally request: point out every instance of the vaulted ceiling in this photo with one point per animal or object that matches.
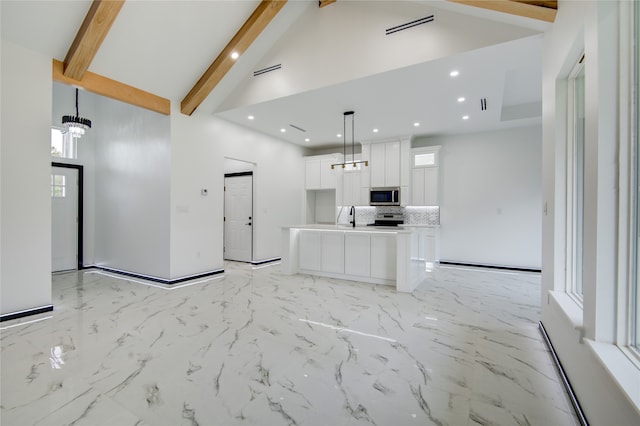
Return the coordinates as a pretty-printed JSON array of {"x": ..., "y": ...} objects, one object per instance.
[{"x": 331, "y": 55}]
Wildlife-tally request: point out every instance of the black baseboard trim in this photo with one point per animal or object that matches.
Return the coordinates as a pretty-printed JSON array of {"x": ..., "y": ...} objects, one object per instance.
[
  {"x": 565, "y": 379},
  {"x": 26, "y": 313},
  {"x": 156, "y": 279},
  {"x": 479, "y": 265},
  {"x": 262, "y": 262}
]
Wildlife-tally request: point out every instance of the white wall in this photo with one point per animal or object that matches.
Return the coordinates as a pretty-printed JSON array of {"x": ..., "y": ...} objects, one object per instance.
[
  {"x": 200, "y": 144},
  {"x": 490, "y": 196},
  {"x": 25, "y": 231},
  {"x": 64, "y": 104},
  {"x": 132, "y": 186},
  {"x": 582, "y": 335},
  {"x": 128, "y": 204},
  {"x": 356, "y": 29}
]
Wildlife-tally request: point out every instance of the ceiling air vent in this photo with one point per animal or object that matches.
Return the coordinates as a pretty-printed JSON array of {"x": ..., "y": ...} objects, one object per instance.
[
  {"x": 483, "y": 104},
  {"x": 267, "y": 69},
  {"x": 408, "y": 25},
  {"x": 297, "y": 128}
]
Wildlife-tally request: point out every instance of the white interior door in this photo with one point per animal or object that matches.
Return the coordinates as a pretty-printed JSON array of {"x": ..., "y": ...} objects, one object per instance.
[
  {"x": 238, "y": 214},
  {"x": 64, "y": 219}
]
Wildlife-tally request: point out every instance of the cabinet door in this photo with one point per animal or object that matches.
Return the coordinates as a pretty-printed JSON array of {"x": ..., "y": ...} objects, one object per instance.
[
  {"x": 357, "y": 254},
  {"x": 405, "y": 163},
  {"x": 430, "y": 249},
  {"x": 329, "y": 178},
  {"x": 332, "y": 257},
  {"x": 383, "y": 256},
  {"x": 312, "y": 174},
  {"x": 352, "y": 189},
  {"x": 392, "y": 164},
  {"x": 431, "y": 186},
  {"x": 417, "y": 187},
  {"x": 309, "y": 247},
  {"x": 347, "y": 190},
  {"x": 377, "y": 165}
]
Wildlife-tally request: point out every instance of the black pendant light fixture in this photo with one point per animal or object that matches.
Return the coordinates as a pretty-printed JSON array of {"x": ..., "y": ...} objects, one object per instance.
[
  {"x": 353, "y": 161},
  {"x": 76, "y": 125}
]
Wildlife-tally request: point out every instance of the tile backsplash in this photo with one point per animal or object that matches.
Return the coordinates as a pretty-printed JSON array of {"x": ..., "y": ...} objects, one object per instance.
[{"x": 411, "y": 215}]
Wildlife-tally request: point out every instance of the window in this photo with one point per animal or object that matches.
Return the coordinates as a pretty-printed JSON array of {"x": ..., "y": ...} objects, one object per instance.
[
  {"x": 63, "y": 145},
  {"x": 425, "y": 157},
  {"x": 635, "y": 164},
  {"x": 575, "y": 179},
  {"x": 58, "y": 186}
]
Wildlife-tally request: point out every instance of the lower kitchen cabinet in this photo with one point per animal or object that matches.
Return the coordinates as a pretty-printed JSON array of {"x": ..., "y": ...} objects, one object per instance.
[
  {"x": 332, "y": 256},
  {"x": 357, "y": 254},
  {"x": 310, "y": 249},
  {"x": 383, "y": 256},
  {"x": 387, "y": 257}
]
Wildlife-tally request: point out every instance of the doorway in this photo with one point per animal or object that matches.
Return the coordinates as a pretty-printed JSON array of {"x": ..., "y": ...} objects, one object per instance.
[
  {"x": 66, "y": 216},
  {"x": 238, "y": 216}
]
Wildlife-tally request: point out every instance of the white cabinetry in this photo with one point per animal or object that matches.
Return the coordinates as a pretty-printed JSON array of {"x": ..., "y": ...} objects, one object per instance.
[
  {"x": 363, "y": 255},
  {"x": 383, "y": 256},
  {"x": 387, "y": 257},
  {"x": 352, "y": 191},
  {"x": 385, "y": 164},
  {"x": 332, "y": 256},
  {"x": 321, "y": 251},
  {"x": 431, "y": 247},
  {"x": 389, "y": 165},
  {"x": 424, "y": 176},
  {"x": 357, "y": 254},
  {"x": 320, "y": 175},
  {"x": 310, "y": 249},
  {"x": 424, "y": 186}
]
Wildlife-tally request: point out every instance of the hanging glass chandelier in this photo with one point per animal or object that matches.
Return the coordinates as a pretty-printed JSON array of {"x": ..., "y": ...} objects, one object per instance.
[
  {"x": 76, "y": 125},
  {"x": 353, "y": 161}
]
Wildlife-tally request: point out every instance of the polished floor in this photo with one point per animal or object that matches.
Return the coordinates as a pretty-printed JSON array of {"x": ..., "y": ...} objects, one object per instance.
[{"x": 258, "y": 348}]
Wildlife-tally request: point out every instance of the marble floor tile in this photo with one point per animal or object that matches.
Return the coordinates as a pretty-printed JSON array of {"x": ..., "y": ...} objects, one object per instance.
[{"x": 255, "y": 347}]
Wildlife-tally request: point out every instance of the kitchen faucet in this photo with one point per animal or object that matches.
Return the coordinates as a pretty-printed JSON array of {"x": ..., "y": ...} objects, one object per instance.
[{"x": 352, "y": 212}]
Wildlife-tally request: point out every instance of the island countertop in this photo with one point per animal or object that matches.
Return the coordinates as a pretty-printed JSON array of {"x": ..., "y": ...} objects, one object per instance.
[{"x": 349, "y": 228}]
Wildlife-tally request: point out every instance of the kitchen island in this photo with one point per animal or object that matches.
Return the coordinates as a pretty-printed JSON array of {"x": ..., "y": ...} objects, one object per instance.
[{"x": 380, "y": 255}]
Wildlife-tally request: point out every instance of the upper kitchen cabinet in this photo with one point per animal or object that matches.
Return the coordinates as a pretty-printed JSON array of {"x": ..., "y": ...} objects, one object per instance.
[
  {"x": 320, "y": 175},
  {"x": 389, "y": 163},
  {"x": 424, "y": 176},
  {"x": 352, "y": 193}
]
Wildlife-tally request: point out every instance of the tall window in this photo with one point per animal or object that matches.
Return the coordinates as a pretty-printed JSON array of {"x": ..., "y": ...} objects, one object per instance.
[
  {"x": 635, "y": 126},
  {"x": 575, "y": 179},
  {"x": 63, "y": 145}
]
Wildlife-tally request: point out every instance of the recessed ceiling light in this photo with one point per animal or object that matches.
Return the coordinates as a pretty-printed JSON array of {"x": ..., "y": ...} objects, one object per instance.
[
  {"x": 235, "y": 55},
  {"x": 338, "y": 135},
  {"x": 416, "y": 124},
  {"x": 283, "y": 130},
  {"x": 465, "y": 117},
  {"x": 307, "y": 139},
  {"x": 251, "y": 117},
  {"x": 454, "y": 73},
  {"x": 461, "y": 99},
  {"x": 375, "y": 130}
]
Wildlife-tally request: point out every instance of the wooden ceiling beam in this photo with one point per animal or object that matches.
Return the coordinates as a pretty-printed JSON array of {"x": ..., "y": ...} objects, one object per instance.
[
  {"x": 257, "y": 22},
  {"x": 113, "y": 89},
  {"x": 323, "y": 3},
  {"x": 529, "y": 9},
  {"x": 90, "y": 36}
]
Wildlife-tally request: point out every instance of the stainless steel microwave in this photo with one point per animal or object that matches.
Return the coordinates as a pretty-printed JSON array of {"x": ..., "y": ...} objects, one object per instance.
[{"x": 384, "y": 196}]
